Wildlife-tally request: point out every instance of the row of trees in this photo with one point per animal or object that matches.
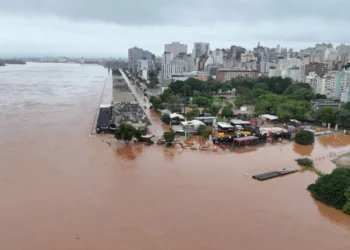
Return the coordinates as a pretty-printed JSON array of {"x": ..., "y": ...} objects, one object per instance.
[
  {"x": 333, "y": 116},
  {"x": 192, "y": 86},
  {"x": 273, "y": 95}
]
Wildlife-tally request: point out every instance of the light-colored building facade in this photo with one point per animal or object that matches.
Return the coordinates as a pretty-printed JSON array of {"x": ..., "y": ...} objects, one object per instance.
[
  {"x": 175, "y": 48},
  {"x": 326, "y": 85},
  {"x": 143, "y": 68},
  {"x": 200, "y": 49},
  {"x": 135, "y": 54},
  {"x": 265, "y": 67},
  {"x": 293, "y": 73},
  {"x": 345, "y": 95},
  {"x": 174, "y": 67},
  {"x": 342, "y": 83},
  {"x": 288, "y": 63},
  {"x": 323, "y": 85},
  {"x": 200, "y": 75},
  {"x": 228, "y": 74}
]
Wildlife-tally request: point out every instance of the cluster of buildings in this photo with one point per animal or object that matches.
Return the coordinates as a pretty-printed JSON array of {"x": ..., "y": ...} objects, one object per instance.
[{"x": 322, "y": 66}]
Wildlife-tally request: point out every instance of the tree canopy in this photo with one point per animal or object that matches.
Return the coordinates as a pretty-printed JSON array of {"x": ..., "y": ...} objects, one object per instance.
[
  {"x": 126, "y": 132},
  {"x": 169, "y": 137},
  {"x": 333, "y": 116},
  {"x": 305, "y": 137},
  {"x": 333, "y": 189}
]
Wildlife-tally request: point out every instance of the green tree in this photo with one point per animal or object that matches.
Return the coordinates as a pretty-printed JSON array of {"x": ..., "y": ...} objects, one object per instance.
[
  {"x": 169, "y": 137},
  {"x": 153, "y": 80},
  {"x": 343, "y": 117},
  {"x": 332, "y": 189},
  {"x": 346, "y": 207},
  {"x": 346, "y": 106},
  {"x": 227, "y": 112},
  {"x": 166, "y": 118},
  {"x": 300, "y": 91},
  {"x": 319, "y": 96},
  {"x": 125, "y": 132},
  {"x": 267, "y": 104},
  {"x": 156, "y": 102},
  {"x": 192, "y": 114},
  {"x": 137, "y": 134},
  {"x": 326, "y": 114},
  {"x": 213, "y": 109},
  {"x": 229, "y": 105},
  {"x": 261, "y": 85},
  {"x": 201, "y": 101},
  {"x": 289, "y": 109},
  {"x": 305, "y": 137},
  {"x": 203, "y": 131},
  {"x": 239, "y": 101},
  {"x": 305, "y": 162}
]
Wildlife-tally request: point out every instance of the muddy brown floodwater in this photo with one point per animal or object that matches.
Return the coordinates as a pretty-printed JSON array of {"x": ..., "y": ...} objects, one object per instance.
[{"x": 61, "y": 188}]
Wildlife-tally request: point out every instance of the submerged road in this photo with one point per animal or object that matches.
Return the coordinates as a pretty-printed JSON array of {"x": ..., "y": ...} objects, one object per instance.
[{"x": 157, "y": 127}]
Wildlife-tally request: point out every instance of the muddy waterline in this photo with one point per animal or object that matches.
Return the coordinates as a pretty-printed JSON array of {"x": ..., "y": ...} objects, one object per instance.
[{"x": 62, "y": 188}]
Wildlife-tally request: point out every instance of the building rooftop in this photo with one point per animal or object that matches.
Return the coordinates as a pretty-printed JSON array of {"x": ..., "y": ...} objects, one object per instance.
[
  {"x": 130, "y": 112},
  {"x": 224, "y": 125},
  {"x": 239, "y": 122}
]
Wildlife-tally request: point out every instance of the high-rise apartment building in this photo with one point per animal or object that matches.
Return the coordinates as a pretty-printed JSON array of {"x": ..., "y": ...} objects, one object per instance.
[
  {"x": 228, "y": 74},
  {"x": 135, "y": 54},
  {"x": 200, "y": 49},
  {"x": 319, "y": 68},
  {"x": 175, "y": 48},
  {"x": 342, "y": 83}
]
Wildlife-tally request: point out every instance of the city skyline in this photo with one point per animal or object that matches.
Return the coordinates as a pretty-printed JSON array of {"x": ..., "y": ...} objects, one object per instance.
[{"x": 76, "y": 28}]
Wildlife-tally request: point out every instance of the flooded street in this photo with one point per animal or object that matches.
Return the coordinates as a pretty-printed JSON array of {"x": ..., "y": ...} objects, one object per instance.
[{"x": 62, "y": 188}]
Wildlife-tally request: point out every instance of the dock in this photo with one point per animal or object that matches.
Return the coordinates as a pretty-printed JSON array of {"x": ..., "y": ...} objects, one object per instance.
[{"x": 273, "y": 174}]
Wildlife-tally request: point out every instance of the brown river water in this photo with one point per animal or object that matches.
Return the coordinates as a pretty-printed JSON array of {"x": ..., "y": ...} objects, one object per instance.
[{"x": 63, "y": 189}]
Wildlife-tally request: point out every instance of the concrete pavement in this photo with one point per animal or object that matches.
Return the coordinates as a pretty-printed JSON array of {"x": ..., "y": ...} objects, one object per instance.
[{"x": 157, "y": 127}]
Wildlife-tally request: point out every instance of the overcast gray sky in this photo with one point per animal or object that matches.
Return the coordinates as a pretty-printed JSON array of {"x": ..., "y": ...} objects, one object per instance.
[{"x": 110, "y": 27}]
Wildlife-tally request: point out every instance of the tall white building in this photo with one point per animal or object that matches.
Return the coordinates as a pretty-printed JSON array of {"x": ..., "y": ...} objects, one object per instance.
[
  {"x": 293, "y": 73},
  {"x": 278, "y": 49},
  {"x": 342, "y": 83},
  {"x": 288, "y": 63},
  {"x": 200, "y": 49},
  {"x": 173, "y": 66},
  {"x": 345, "y": 95},
  {"x": 143, "y": 67},
  {"x": 265, "y": 67},
  {"x": 273, "y": 72},
  {"x": 322, "y": 85},
  {"x": 218, "y": 56},
  {"x": 312, "y": 79},
  {"x": 176, "y": 48},
  {"x": 326, "y": 85}
]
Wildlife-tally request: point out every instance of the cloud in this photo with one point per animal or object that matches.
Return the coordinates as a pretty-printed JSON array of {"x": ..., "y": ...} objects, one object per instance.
[
  {"x": 184, "y": 12},
  {"x": 109, "y": 28}
]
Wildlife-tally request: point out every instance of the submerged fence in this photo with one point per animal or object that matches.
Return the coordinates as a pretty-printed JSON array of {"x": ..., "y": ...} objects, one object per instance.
[{"x": 332, "y": 155}]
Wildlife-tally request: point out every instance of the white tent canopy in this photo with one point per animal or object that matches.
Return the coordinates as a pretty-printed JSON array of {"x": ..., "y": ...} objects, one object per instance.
[{"x": 269, "y": 117}]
